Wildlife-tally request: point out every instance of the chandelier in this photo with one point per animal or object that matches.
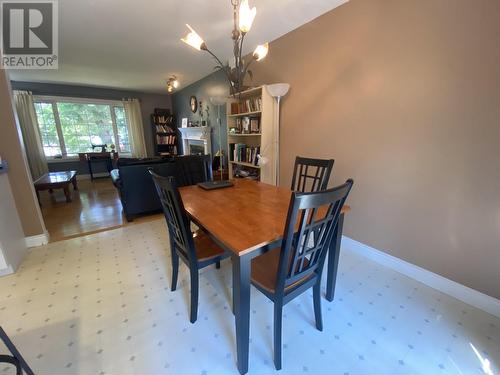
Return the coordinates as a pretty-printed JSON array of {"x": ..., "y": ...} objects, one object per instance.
[
  {"x": 243, "y": 18},
  {"x": 172, "y": 84}
]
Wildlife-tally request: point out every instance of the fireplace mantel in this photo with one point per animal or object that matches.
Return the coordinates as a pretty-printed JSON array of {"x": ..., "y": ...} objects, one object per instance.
[{"x": 200, "y": 133}]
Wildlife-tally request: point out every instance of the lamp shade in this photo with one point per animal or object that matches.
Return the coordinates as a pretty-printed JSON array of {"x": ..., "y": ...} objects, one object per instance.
[
  {"x": 217, "y": 100},
  {"x": 278, "y": 90}
]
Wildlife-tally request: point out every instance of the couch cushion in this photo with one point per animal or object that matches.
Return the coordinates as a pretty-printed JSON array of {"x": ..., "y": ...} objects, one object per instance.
[
  {"x": 141, "y": 161},
  {"x": 137, "y": 191}
]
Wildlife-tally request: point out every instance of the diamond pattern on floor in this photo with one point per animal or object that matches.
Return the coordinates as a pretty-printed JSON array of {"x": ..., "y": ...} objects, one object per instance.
[{"x": 101, "y": 304}]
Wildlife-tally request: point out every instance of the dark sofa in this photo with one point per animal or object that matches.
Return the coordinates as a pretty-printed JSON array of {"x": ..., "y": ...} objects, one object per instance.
[{"x": 135, "y": 185}]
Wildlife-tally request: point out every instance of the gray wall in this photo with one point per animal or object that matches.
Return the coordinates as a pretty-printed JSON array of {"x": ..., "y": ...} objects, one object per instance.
[
  {"x": 213, "y": 85},
  {"x": 148, "y": 103}
]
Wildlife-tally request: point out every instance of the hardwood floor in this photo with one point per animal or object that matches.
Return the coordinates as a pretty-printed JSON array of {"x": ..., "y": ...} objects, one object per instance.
[{"x": 95, "y": 207}]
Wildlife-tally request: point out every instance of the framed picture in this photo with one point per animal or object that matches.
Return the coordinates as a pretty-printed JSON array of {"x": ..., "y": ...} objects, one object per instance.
[
  {"x": 238, "y": 125},
  {"x": 254, "y": 125},
  {"x": 184, "y": 122},
  {"x": 193, "y": 104},
  {"x": 245, "y": 125}
]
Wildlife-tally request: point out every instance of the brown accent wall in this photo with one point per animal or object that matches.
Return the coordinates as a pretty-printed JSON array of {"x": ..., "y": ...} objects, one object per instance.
[
  {"x": 405, "y": 95},
  {"x": 11, "y": 149}
]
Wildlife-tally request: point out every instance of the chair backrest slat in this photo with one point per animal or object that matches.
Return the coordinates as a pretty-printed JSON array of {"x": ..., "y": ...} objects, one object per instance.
[
  {"x": 194, "y": 169},
  {"x": 311, "y": 221},
  {"x": 311, "y": 174},
  {"x": 175, "y": 215}
]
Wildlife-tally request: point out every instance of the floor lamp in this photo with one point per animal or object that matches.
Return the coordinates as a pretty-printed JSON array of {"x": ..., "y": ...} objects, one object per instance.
[
  {"x": 278, "y": 90},
  {"x": 218, "y": 101}
]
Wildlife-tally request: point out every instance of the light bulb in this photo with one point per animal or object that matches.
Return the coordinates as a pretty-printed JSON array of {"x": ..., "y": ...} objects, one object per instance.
[
  {"x": 193, "y": 39},
  {"x": 246, "y": 17},
  {"x": 261, "y": 51}
]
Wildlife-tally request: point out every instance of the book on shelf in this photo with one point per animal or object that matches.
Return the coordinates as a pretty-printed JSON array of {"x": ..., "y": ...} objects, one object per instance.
[
  {"x": 162, "y": 120},
  {"x": 254, "y": 125},
  {"x": 243, "y": 153},
  {"x": 247, "y": 105},
  {"x": 165, "y": 139},
  {"x": 247, "y": 125},
  {"x": 163, "y": 128},
  {"x": 235, "y": 108}
]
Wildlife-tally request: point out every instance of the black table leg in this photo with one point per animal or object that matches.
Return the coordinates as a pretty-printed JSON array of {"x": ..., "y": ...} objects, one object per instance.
[
  {"x": 90, "y": 170},
  {"x": 234, "y": 290},
  {"x": 241, "y": 301},
  {"x": 333, "y": 259},
  {"x": 109, "y": 164}
]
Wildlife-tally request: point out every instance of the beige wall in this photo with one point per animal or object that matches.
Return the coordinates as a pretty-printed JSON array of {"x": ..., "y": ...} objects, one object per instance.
[
  {"x": 405, "y": 95},
  {"x": 19, "y": 177}
]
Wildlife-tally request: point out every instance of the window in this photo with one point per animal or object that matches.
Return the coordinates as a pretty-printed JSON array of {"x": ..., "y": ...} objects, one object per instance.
[
  {"x": 48, "y": 130},
  {"x": 70, "y": 126}
]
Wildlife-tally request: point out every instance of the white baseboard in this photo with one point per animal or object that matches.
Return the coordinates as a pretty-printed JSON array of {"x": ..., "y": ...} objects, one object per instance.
[
  {"x": 444, "y": 285},
  {"x": 6, "y": 271},
  {"x": 87, "y": 176},
  {"x": 38, "y": 240}
]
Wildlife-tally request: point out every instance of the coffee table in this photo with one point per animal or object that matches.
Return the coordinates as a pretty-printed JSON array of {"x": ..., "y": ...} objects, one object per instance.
[{"x": 56, "y": 180}]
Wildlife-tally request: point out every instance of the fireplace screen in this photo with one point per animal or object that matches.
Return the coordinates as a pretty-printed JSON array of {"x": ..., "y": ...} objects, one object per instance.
[{"x": 196, "y": 147}]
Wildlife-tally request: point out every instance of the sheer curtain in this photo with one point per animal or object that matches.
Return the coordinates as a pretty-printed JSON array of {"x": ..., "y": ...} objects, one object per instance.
[
  {"x": 31, "y": 133},
  {"x": 135, "y": 127}
]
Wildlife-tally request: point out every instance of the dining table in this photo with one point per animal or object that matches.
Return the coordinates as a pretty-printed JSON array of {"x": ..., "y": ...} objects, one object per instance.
[{"x": 246, "y": 220}]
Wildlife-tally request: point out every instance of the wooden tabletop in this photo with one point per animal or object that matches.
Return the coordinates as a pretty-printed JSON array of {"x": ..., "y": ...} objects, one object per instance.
[
  {"x": 244, "y": 217},
  {"x": 52, "y": 178}
]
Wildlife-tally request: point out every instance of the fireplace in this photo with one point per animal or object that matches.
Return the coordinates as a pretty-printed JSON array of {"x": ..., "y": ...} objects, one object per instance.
[
  {"x": 196, "y": 147},
  {"x": 196, "y": 140}
]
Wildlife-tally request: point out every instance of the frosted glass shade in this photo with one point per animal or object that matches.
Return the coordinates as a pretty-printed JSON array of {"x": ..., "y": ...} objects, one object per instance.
[
  {"x": 217, "y": 100},
  {"x": 247, "y": 16},
  {"x": 261, "y": 51},
  {"x": 193, "y": 39},
  {"x": 278, "y": 90}
]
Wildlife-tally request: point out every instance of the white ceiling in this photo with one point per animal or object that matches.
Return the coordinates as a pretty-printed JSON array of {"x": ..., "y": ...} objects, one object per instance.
[{"x": 136, "y": 45}]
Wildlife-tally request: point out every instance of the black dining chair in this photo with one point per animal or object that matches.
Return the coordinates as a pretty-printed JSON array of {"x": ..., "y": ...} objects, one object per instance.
[
  {"x": 284, "y": 273},
  {"x": 311, "y": 174},
  {"x": 196, "y": 250},
  {"x": 15, "y": 359}
]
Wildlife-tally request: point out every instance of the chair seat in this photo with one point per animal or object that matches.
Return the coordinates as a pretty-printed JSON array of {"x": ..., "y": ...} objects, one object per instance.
[
  {"x": 205, "y": 247},
  {"x": 265, "y": 271}
]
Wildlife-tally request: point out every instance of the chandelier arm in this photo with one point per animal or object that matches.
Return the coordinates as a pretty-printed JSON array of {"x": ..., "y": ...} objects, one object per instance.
[
  {"x": 241, "y": 78},
  {"x": 246, "y": 67},
  {"x": 222, "y": 68}
]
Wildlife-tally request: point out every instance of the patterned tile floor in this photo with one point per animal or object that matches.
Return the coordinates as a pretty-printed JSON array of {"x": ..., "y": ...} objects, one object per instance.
[{"x": 101, "y": 304}]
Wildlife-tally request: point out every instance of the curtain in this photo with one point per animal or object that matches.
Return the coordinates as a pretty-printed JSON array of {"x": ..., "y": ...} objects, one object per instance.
[
  {"x": 135, "y": 127},
  {"x": 26, "y": 114}
]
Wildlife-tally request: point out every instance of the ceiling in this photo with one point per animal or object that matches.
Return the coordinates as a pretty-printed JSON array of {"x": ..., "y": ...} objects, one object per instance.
[{"x": 136, "y": 45}]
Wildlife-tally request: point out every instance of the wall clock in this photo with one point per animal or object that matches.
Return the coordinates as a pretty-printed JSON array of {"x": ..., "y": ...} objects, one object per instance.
[{"x": 193, "y": 103}]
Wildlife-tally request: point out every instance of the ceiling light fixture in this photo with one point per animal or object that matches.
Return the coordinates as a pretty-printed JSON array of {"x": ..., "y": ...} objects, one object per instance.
[
  {"x": 172, "y": 84},
  {"x": 243, "y": 17}
]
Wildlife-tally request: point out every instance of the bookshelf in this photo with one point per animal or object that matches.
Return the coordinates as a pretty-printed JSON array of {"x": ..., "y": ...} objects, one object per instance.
[
  {"x": 245, "y": 114},
  {"x": 252, "y": 132},
  {"x": 164, "y": 132}
]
